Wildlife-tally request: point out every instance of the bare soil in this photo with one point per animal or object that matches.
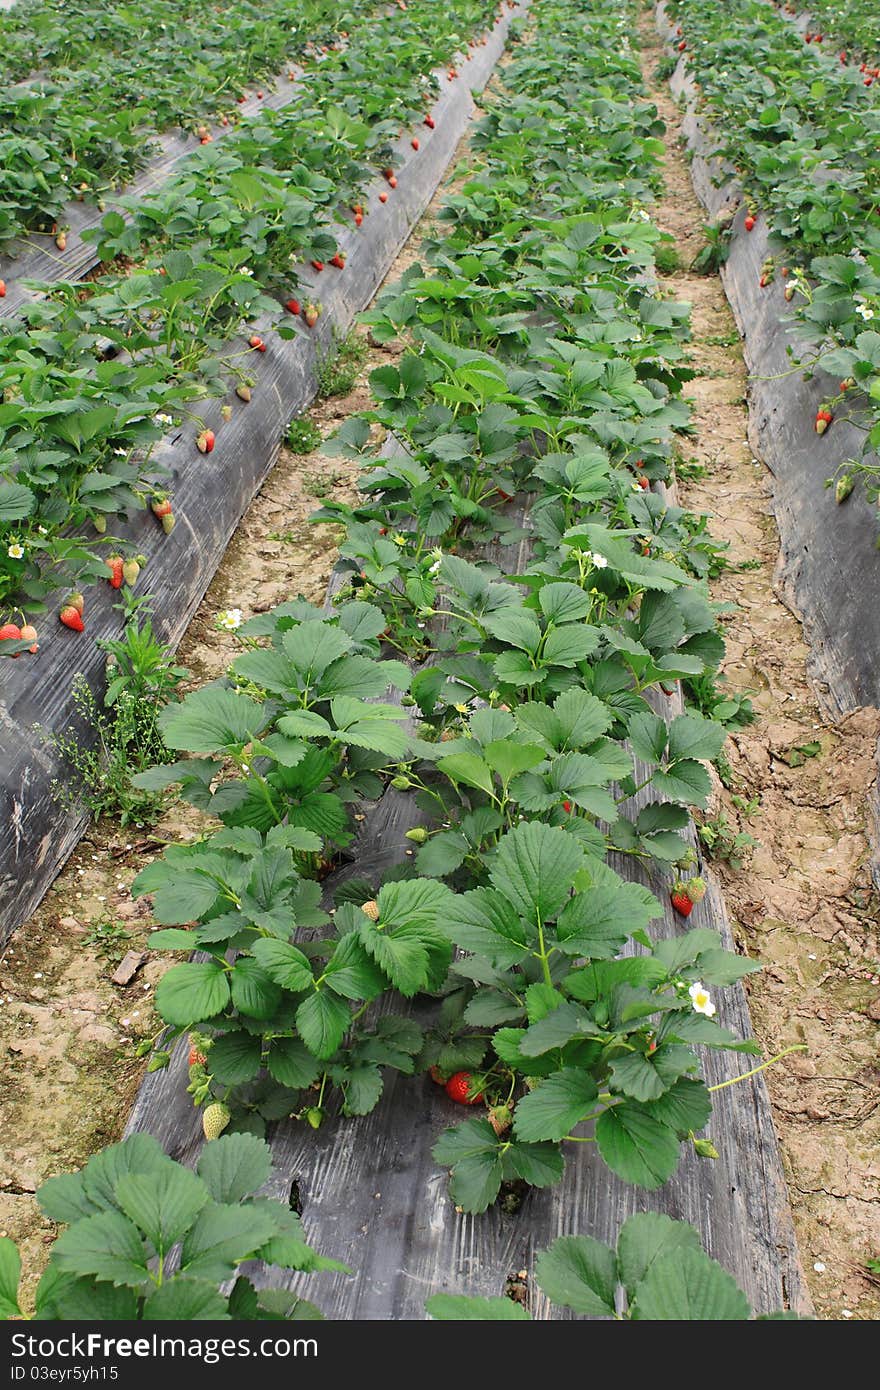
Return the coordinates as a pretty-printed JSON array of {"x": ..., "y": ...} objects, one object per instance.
[{"x": 802, "y": 902}]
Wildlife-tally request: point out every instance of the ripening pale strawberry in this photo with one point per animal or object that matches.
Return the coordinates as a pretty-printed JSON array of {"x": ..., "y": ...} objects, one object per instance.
[
  {"x": 61, "y": 241},
  {"x": 100, "y": 524},
  {"x": 29, "y": 634},
  {"x": 226, "y": 412},
  {"x": 749, "y": 222},
  {"x": 72, "y": 618},
  {"x": 371, "y": 909},
  {"x": 205, "y": 442},
  {"x": 161, "y": 506},
  {"x": 77, "y": 601},
  {"x": 823, "y": 420},
  {"x": 130, "y": 571},
  {"x": 114, "y": 565},
  {"x": 215, "y": 1118},
  {"x": 243, "y": 392},
  {"x": 789, "y": 292},
  {"x": 311, "y": 314},
  {"x": 292, "y": 306},
  {"x": 196, "y": 1058}
]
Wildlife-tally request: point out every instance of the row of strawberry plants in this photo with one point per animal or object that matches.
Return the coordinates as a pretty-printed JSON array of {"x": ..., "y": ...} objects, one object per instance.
[
  {"x": 544, "y": 362},
  {"x": 93, "y": 376},
  {"x": 799, "y": 125},
  {"x": 855, "y": 25},
  {"x": 87, "y": 128}
]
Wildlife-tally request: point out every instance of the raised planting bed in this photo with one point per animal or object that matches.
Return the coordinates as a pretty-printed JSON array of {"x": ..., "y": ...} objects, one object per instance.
[
  {"x": 829, "y": 562},
  {"x": 209, "y": 498},
  {"x": 532, "y": 745}
]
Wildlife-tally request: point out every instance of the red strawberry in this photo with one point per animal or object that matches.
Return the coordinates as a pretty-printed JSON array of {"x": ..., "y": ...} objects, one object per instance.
[
  {"x": 437, "y": 1076},
  {"x": 750, "y": 222},
  {"x": 114, "y": 565},
  {"x": 196, "y": 1058},
  {"x": 255, "y": 341},
  {"x": 29, "y": 634},
  {"x": 458, "y": 1088},
  {"x": 358, "y": 218},
  {"x": 205, "y": 442},
  {"x": 383, "y": 197},
  {"x": 260, "y": 95},
  {"x": 823, "y": 420},
  {"x": 392, "y": 182},
  {"x": 2, "y": 289},
  {"x": 72, "y": 618},
  {"x": 292, "y": 306},
  {"x": 681, "y": 902},
  {"x": 241, "y": 99},
  {"x": 429, "y": 122},
  {"x": 318, "y": 265},
  {"x": 311, "y": 314},
  {"x": 415, "y": 142},
  {"x": 338, "y": 260},
  {"x": 682, "y": 46},
  {"x": 643, "y": 483},
  {"x": 10, "y": 632},
  {"x": 784, "y": 272},
  {"x": 566, "y": 806}
]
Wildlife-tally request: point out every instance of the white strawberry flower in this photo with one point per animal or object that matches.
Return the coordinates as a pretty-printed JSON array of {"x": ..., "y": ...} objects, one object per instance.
[
  {"x": 121, "y": 453},
  {"x": 16, "y": 551},
  {"x": 701, "y": 999},
  {"x": 230, "y": 620},
  {"x": 599, "y": 561},
  {"x": 866, "y": 313},
  {"x": 163, "y": 419},
  {"x": 399, "y": 539},
  {"x": 245, "y": 270}
]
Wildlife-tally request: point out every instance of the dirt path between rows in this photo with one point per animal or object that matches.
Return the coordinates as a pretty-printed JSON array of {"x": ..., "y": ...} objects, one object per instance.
[
  {"x": 802, "y": 902},
  {"x": 68, "y": 1071}
]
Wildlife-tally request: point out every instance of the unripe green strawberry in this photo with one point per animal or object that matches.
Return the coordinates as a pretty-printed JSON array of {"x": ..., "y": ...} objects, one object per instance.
[
  {"x": 215, "y": 1118},
  {"x": 314, "y": 1116},
  {"x": 400, "y": 784},
  {"x": 844, "y": 487},
  {"x": 704, "y": 1148},
  {"x": 418, "y": 835},
  {"x": 100, "y": 524},
  {"x": 371, "y": 909}
]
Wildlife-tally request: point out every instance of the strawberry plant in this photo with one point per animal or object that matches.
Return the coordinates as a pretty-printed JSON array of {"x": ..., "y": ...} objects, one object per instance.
[
  {"x": 149, "y": 1239},
  {"x": 546, "y": 370},
  {"x": 657, "y": 1272}
]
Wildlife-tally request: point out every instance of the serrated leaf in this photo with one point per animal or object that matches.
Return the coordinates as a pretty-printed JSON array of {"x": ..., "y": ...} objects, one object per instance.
[
  {"x": 322, "y": 1020},
  {"x": 162, "y": 1204},
  {"x": 580, "y": 1273},
  {"x": 221, "y": 1238},
  {"x": 235, "y": 1058},
  {"x": 192, "y": 992},
  {"x": 688, "y": 1286},
  {"x": 534, "y": 866},
  {"x": 211, "y": 720},
  {"x": 10, "y": 1274},
  {"x": 284, "y": 963},
  {"x": 106, "y": 1245},
  {"x": 291, "y": 1063},
  {"x": 555, "y": 1106},
  {"x": 234, "y": 1166},
  {"x": 644, "y": 1238},
  {"x": 187, "y": 1300},
  {"x": 637, "y": 1147}
]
